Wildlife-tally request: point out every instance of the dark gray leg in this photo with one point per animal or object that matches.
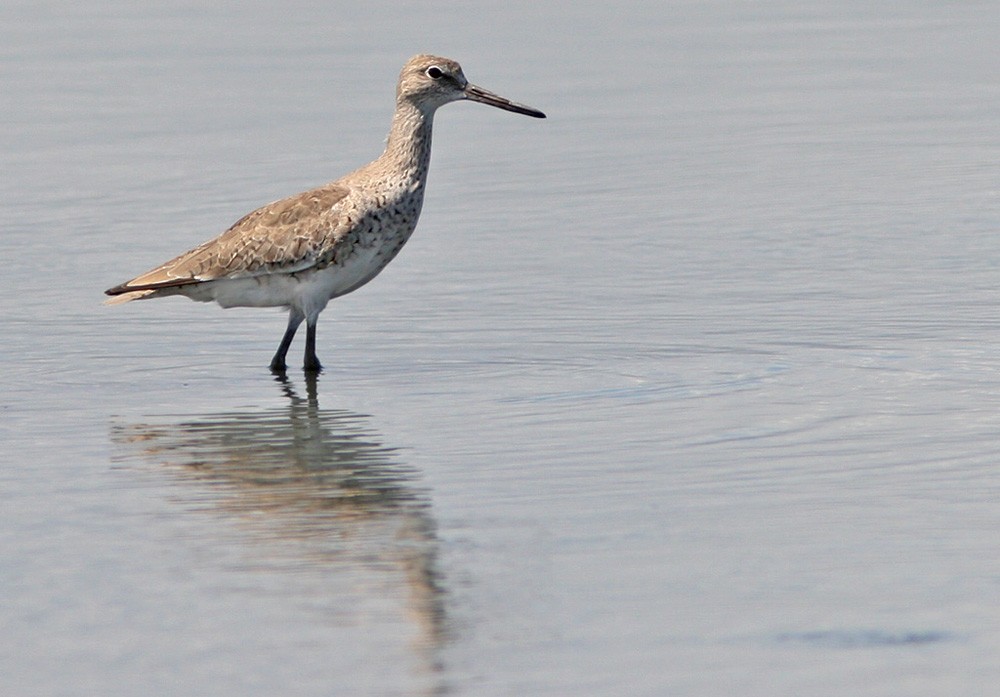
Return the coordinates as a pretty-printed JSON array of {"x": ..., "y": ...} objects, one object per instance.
[
  {"x": 278, "y": 362},
  {"x": 312, "y": 364}
]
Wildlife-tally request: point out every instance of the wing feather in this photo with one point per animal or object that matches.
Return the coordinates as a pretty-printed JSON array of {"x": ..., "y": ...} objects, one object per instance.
[{"x": 286, "y": 236}]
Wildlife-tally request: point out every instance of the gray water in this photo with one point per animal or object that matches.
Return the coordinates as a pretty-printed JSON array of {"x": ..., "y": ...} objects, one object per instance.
[{"x": 691, "y": 389}]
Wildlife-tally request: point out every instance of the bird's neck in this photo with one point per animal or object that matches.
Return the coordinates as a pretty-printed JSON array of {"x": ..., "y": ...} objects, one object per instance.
[{"x": 408, "y": 148}]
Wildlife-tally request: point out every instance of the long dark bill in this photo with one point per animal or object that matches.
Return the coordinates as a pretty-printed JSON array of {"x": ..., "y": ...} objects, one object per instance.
[{"x": 478, "y": 94}]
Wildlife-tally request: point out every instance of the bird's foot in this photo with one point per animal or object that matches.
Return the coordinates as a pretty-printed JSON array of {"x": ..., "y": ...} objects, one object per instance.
[
  {"x": 278, "y": 367},
  {"x": 313, "y": 366}
]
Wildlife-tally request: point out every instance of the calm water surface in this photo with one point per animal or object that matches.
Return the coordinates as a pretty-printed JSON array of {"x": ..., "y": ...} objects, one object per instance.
[{"x": 691, "y": 389}]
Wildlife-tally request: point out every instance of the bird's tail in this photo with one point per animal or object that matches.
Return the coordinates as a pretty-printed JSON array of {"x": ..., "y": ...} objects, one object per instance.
[{"x": 128, "y": 297}]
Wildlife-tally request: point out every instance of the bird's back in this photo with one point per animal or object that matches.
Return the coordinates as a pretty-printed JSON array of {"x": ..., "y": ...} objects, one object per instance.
[{"x": 347, "y": 231}]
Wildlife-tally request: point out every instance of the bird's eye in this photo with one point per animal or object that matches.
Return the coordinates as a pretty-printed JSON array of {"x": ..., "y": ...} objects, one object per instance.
[{"x": 434, "y": 72}]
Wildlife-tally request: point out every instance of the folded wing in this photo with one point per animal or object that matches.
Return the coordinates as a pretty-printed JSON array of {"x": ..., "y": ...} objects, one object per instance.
[{"x": 286, "y": 236}]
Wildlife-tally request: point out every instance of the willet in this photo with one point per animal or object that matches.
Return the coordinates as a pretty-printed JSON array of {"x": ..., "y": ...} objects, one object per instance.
[{"x": 304, "y": 250}]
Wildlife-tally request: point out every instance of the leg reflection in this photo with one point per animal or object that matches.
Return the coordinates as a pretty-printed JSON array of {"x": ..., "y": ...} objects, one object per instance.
[{"x": 313, "y": 492}]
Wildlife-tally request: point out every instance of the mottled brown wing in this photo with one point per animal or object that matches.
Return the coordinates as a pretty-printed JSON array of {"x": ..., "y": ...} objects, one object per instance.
[{"x": 285, "y": 236}]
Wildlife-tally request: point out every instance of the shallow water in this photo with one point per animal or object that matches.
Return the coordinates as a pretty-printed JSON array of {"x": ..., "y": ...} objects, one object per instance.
[{"x": 689, "y": 389}]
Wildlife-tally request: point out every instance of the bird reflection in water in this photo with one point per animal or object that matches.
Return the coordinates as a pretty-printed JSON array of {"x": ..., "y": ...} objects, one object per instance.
[{"x": 316, "y": 493}]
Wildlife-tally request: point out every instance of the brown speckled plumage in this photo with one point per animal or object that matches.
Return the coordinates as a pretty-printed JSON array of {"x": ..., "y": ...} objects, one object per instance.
[{"x": 306, "y": 249}]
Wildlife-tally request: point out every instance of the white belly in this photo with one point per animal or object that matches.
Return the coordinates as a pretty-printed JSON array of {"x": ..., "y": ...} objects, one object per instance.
[{"x": 308, "y": 290}]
